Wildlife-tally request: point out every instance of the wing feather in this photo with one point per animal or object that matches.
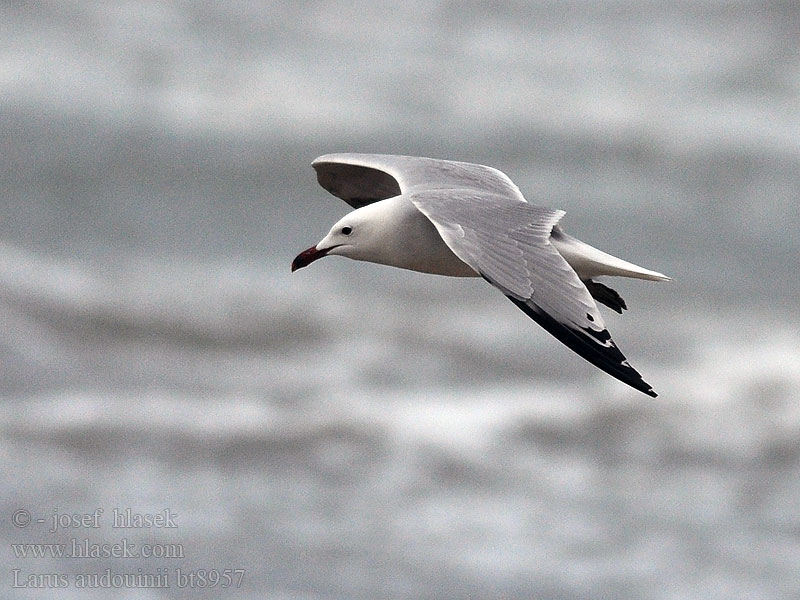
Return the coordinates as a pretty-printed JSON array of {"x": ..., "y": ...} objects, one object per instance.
[
  {"x": 361, "y": 179},
  {"x": 508, "y": 243}
]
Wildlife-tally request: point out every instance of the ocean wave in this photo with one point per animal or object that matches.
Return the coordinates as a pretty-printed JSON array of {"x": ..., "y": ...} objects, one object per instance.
[
  {"x": 226, "y": 304},
  {"x": 239, "y": 326},
  {"x": 647, "y": 90},
  {"x": 728, "y": 403}
]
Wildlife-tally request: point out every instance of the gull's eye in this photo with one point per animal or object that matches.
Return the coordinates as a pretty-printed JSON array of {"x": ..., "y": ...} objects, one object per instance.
[{"x": 347, "y": 230}]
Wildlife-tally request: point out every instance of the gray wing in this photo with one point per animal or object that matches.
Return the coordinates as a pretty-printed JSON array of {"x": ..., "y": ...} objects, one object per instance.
[
  {"x": 361, "y": 179},
  {"x": 508, "y": 243}
]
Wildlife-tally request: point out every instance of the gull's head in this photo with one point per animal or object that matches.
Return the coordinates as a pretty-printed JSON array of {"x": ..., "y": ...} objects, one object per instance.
[{"x": 351, "y": 236}]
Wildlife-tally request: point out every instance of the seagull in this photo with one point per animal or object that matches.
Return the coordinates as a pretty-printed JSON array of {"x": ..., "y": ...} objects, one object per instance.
[{"x": 468, "y": 220}]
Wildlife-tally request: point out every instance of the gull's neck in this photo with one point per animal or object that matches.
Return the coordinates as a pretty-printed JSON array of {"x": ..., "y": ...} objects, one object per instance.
[{"x": 403, "y": 237}]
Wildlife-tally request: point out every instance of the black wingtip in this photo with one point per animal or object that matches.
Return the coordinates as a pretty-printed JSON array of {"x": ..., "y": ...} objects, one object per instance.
[{"x": 606, "y": 357}]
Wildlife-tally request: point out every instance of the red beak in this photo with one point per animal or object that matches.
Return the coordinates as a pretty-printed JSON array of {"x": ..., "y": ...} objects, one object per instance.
[{"x": 306, "y": 257}]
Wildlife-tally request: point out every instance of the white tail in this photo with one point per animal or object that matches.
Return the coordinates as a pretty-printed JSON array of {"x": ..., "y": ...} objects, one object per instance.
[{"x": 589, "y": 262}]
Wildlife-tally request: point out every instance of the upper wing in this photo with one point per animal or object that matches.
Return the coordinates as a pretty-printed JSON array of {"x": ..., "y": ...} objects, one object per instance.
[
  {"x": 508, "y": 243},
  {"x": 361, "y": 179}
]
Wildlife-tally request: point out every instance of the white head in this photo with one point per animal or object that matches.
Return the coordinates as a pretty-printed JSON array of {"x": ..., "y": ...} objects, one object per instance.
[
  {"x": 388, "y": 232},
  {"x": 357, "y": 235}
]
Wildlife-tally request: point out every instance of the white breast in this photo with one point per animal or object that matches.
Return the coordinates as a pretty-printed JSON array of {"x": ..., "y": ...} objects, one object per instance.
[{"x": 410, "y": 241}]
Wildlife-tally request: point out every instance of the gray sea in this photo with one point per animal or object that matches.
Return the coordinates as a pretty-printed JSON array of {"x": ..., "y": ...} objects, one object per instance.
[{"x": 181, "y": 417}]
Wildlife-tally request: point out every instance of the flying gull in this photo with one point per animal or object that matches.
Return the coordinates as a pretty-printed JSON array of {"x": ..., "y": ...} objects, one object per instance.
[{"x": 467, "y": 220}]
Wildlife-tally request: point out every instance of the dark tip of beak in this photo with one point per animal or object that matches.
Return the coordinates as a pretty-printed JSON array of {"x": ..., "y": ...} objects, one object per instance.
[{"x": 306, "y": 257}]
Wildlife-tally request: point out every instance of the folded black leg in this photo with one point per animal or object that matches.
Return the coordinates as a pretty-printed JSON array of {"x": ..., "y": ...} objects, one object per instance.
[{"x": 605, "y": 295}]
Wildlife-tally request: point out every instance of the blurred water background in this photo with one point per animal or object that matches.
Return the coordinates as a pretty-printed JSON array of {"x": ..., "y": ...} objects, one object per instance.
[{"x": 358, "y": 432}]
